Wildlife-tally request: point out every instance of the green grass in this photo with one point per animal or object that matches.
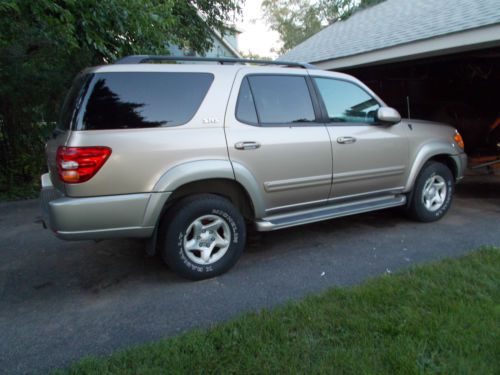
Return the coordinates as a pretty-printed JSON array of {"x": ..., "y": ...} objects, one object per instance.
[{"x": 440, "y": 318}]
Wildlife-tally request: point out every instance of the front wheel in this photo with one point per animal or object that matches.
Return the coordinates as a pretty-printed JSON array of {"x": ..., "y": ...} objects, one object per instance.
[
  {"x": 203, "y": 237},
  {"x": 433, "y": 192}
]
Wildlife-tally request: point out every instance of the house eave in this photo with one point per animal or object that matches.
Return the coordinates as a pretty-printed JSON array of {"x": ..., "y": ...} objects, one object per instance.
[
  {"x": 467, "y": 40},
  {"x": 226, "y": 43}
]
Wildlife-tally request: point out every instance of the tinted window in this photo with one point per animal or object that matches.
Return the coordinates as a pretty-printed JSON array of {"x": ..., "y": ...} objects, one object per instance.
[
  {"x": 347, "y": 102},
  {"x": 245, "y": 110},
  {"x": 141, "y": 100},
  {"x": 72, "y": 101},
  {"x": 281, "y": 99}
]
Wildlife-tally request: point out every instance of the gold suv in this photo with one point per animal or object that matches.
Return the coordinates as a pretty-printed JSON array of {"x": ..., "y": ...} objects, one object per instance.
[{"x": 188, "y": 154}]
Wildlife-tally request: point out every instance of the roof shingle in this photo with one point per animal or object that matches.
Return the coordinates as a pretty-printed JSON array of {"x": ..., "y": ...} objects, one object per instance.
[{"x": 395, "y": 22}]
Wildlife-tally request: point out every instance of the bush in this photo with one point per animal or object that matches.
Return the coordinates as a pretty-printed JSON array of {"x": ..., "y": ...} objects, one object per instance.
[{"x": 24, "y": 162}]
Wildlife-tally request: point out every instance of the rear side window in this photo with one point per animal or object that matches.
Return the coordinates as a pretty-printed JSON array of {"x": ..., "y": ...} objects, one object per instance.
[
  {"x": 347, "y": 102},
  {"x": 128, "y": 100},
  {"x": 278, "y": 99},
  {"x": 245, "y": 110},
  {"x": 72, "y": 102}
]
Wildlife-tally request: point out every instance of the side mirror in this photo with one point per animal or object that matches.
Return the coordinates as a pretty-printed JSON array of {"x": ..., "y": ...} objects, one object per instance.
[{"x": 387, "y": 115}]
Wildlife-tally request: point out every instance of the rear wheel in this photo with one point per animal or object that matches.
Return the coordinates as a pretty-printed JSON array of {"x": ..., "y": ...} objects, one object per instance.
[
  {"x": 202, "y": 237},
  {"x": 432, "y": 193}
]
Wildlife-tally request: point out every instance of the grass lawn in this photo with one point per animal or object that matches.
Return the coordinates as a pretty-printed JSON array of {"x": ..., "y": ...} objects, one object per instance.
[{"x": 440, "y": 318}]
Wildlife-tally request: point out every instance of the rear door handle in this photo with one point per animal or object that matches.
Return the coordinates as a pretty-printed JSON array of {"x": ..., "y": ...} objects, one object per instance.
[
  {"x": 346, "y": 140},
  {"x": 247, "y": 145}
]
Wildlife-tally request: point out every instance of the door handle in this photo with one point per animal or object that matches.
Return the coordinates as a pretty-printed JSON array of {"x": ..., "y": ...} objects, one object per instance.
[
  {"x": 346, "y": 140},
  {"x": 247, "y": 145}
]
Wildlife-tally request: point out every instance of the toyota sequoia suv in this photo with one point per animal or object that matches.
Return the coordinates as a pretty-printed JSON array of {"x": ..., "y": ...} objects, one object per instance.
[{"x": 186, "y": 155}]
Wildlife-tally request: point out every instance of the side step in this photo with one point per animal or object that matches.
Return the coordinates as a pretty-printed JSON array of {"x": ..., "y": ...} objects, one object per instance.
[{"x": 327, "y": 212}]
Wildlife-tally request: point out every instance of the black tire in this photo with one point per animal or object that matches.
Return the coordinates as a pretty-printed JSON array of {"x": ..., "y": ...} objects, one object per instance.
[
  {"x": 205, "y": 209},
  {"x": 431, "y": 172}
]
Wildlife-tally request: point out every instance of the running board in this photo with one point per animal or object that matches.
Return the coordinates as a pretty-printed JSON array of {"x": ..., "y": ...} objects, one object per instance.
[{"x": 329, "y": 212}]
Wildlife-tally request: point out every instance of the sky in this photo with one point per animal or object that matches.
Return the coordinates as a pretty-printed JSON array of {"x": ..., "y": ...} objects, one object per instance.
[{"x": 256, "y": 37}]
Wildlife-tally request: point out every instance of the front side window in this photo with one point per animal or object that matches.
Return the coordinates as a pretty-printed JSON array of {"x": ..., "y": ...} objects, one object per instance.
[
  {"x": 278, "y": 99},
  {"x": 347, "y": 102},
  {"x": 127, "y": 100}
]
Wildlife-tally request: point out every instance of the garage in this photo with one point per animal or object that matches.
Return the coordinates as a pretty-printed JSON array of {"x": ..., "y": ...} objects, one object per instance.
[{"x": 431, "y": 60}]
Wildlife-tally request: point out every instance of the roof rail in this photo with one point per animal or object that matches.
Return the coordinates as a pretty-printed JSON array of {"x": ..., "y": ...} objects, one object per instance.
[{"x": 138, "y": 59}]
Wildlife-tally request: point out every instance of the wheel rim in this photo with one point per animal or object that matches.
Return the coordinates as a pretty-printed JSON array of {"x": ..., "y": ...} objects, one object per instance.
[
  {"x": 207, "y": 239},
  {"x": 434, "y": 193}
]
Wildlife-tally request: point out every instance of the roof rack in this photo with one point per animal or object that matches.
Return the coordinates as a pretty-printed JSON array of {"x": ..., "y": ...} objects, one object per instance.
[{"x": 138, "y": 59}]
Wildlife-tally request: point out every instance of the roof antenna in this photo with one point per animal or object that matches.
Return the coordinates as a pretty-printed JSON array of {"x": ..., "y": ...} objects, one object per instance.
[
  {"x": 408, "y": 106},
  {"x": 410, "y": 126}
]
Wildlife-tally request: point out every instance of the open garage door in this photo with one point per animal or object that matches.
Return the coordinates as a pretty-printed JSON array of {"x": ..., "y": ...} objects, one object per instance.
[{"x": 461, "y": 89}]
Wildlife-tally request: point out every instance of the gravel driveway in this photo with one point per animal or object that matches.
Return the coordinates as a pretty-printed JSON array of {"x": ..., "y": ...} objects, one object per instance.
[{"x": 60, "y": 301}]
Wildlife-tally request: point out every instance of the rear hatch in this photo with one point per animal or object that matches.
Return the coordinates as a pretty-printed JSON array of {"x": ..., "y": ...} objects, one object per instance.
[{"x": 65, "y": 124}]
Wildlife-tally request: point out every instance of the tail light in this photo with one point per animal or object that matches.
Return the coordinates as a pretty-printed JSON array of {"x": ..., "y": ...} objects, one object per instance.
[{"x": 80, "y": 164}]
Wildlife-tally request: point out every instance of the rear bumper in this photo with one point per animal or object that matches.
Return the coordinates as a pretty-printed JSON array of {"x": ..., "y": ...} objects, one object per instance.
[{"x": 94, "y": 218}]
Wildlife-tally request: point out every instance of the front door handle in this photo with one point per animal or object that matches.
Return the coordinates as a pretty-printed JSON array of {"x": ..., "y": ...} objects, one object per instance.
[
  {"x": 346, "y": 140},
  {"x": 247, "y": 145}
]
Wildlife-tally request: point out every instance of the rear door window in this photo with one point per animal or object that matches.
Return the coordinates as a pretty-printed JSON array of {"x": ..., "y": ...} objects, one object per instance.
[
  {"x": 278, "y": 99},
  {"x": 127, "y": 100}
]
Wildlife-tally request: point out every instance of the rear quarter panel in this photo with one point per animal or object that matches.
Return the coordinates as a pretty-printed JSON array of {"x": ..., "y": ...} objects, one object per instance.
[{"x": 140, "y": 157}]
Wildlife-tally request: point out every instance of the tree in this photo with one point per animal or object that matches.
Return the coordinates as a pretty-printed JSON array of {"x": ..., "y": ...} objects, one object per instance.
[
  {"x": 297, "y": 20},
  {"x": 254, "y": 56},
  {"x": 44, "y": 43}
]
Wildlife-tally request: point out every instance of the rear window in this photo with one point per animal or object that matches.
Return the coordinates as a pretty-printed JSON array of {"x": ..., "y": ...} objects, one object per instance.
[{"x": 143, "y": 99}]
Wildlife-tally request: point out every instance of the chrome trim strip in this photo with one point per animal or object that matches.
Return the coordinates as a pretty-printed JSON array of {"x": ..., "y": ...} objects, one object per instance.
[
  {"x": 367, "y": 174},
  {"x": 329, "y": 212},
  {"x": 297, "y": 183}
]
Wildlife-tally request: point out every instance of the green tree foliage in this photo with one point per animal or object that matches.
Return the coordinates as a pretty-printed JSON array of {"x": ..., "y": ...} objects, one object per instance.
[
  {"x": 44, "y": 43},
  {"x": 297, "y": 20}
]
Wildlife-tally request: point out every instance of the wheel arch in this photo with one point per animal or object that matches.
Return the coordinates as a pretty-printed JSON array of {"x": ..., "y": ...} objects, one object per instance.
[
  {"x": 224, "y": 187},
  {"x": 211, "y": 174},
  {"x": 437, "y": 151}
]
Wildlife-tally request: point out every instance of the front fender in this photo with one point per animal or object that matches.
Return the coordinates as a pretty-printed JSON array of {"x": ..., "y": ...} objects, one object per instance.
[{"x": 427, "y": 152}]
